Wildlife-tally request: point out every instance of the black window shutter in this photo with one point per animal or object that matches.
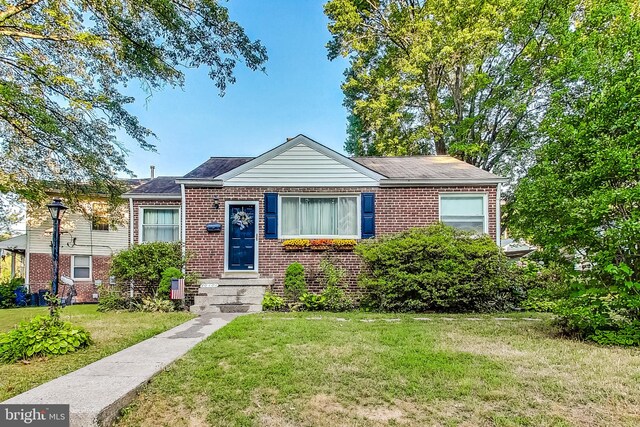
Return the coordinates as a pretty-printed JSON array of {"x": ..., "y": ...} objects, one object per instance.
[
  {"x": 368, "y": 208},
  {"x": 270, "y": 215}
]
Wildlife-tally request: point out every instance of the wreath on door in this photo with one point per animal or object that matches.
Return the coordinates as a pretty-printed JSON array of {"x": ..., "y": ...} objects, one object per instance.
[{"x": 242, "y": 219}]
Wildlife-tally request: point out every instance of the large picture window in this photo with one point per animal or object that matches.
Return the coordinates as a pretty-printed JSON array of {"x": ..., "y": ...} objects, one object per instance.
[
  {"x": 160, "y": 225},
  {"x": 464, "y": 211},
  {"x": 319, "y": 216}
]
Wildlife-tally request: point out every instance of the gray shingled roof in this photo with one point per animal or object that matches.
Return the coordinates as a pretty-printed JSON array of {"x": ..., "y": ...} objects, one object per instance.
[
  {"x": 216, "y": 166},
  {"x": 159, "y": 185},
  {"x": 423, "y": 167}
]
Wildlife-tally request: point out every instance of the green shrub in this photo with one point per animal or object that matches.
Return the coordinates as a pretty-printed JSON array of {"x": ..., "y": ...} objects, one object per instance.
[
  {"x": 111, "y": 298},
  {"x": 154, "y": 305},
  {"x": 312, "y": 302},
  {"x": 272, "y": 302},
  {"x": 42, "y": 336},
  {"x": 164, "y": 288},
  {"x": 335, "y": 297},
  {"x": 294, "y": 281},
  {"x": 144, "y": 264},
  {"x": 436, "y": 268},
  {"x": 7, "y": 292},
  {"x": 542, "y": 284},
  {"x": 608, "y": 315}
]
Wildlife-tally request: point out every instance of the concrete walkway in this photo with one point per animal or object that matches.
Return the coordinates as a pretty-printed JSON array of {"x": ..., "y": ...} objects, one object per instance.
[{"x": 97, "y": 392}]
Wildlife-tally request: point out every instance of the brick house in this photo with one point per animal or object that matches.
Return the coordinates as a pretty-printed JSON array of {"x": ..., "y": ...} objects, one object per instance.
[{"x": 233, "y": 213}]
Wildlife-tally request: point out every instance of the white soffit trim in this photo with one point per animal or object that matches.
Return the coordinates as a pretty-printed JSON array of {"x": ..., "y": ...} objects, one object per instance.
[
  {"x": 441, "y": 181},
  {"x": 301, "y": 139},
  {"x": 152, "y": 196}
]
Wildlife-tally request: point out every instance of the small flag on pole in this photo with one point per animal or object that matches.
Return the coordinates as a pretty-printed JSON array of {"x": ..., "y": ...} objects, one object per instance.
[{"x": 177, "y": 289}]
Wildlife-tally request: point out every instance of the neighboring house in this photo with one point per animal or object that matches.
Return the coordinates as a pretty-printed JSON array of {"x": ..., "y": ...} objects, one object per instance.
[
  {"x": 302, "y": 189},
  {"x": 87, "y": 242},
  {"x": 12, "y": 254}
]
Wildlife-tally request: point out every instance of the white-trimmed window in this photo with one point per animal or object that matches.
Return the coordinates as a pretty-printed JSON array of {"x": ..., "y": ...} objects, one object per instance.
[
  {"x": 81, "y": 267},
  {"x": 159, "y": 224},
  {"x": 465, "y": 211},
  {"x": 319, "y": 216}
]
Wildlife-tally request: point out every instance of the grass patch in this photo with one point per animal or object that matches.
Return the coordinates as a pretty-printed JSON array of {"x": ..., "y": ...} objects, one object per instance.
[
  {"x": 111, "y": 333},
  {"x": 287, "y": 370}
]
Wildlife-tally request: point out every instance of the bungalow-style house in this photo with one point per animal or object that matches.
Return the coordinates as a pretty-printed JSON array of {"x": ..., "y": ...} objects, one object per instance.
[{"x": 233, "y": 214}]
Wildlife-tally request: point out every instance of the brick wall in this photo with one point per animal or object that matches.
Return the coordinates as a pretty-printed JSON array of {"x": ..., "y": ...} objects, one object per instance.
[
  {"x": 393, "y": 207},
  {"x": 40, "y": 274}
]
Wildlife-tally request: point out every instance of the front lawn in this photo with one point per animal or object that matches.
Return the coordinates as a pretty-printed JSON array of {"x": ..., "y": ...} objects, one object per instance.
[
  {"x": 111, "y": 332},
  {"x": 310, "y": 369}
]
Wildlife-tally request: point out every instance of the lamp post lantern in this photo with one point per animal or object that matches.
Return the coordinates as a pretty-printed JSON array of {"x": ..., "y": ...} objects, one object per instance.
[{"x": 56, "y": 209}]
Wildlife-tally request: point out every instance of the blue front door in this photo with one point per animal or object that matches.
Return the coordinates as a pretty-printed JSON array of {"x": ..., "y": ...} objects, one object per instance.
[{"x": 242, "y": 237}]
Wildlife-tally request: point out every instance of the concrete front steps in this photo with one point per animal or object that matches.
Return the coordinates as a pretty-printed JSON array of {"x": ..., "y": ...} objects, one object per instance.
[{"x": 230, "y": 295}]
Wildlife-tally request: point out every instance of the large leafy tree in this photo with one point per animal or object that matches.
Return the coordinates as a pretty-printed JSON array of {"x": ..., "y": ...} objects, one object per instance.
[
  {"x": 583, "y": 194},
  {"x": 461, "y": 77},
  {"x": 64, "y": 66}
]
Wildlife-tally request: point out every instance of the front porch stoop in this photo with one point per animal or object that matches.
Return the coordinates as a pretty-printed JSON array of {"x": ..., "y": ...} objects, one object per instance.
[{"x": 230, "y": 295}]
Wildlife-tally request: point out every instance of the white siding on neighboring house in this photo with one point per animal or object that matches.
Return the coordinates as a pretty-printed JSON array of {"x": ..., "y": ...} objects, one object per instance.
[
  {"x": 76, "y": 226},
  {"x": 301, "y": 166}
]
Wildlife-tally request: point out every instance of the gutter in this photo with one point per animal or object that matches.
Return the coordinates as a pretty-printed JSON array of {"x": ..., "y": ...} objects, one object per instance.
[
  {"x": 199, "y": 182},
  {"x": 398, "y": 182},
  {"x": 152, "y": 196}
]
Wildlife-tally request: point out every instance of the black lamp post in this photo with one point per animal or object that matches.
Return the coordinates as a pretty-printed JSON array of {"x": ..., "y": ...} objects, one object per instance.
[{"x": 56, "y": 208}]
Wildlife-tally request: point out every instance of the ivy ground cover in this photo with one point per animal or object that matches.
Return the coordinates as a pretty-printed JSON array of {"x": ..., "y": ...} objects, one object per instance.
[{"x": 362, "y": 369}]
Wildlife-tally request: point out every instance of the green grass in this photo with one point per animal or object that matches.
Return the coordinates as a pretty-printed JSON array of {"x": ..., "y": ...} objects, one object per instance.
[
  {"x": 111, "y": 332},
  {"x": 285, "y": 370}
]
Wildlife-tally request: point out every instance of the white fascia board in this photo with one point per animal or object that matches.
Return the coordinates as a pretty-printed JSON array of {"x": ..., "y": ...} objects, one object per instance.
[
  {"x": 300, "y": 139},
  {"x": 152, "y": 196},
  {"x": 439, "y": 181},
  {"x": 199, "y": 182}
]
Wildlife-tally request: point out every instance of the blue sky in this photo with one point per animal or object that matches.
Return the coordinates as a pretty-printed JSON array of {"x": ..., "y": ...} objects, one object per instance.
[{"x": 299, "y": 93}]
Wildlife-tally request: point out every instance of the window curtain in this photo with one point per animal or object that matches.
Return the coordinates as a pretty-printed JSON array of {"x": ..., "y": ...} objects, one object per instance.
[
  {"x": 347, "y": 216},
  {"x": 290, "y": 216},
  {"x": 160, "y": 225},
  {"x": 319, "y": 217}
]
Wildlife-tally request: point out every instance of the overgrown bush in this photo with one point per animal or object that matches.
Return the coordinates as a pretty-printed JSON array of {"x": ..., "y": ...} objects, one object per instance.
[
  {"x": 144, "y": 264},
  {"x": 312, "y": 302},
  {"x": 543, "y": 284},
  {"x": 335, "y": 297},
  {"x": 272, "y": 302},
  {"x": 7, "y": 292},
  {"x": 111, "y": 298},
  {"x": 436, "y": 268},
  {"x": 42, "y": 336},
  {"x": 294, "y": 281},
  {"x": 164, "y": 288},
  {"x": 608, "y": 315}
]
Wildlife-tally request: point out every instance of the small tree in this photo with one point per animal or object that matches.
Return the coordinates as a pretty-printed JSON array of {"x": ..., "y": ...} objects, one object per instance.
[{"x": 294, "y": 281}]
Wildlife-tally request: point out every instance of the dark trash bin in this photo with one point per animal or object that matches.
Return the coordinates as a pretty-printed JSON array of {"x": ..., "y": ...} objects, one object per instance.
[
  {"x": 41, "y": 294},
  {"x": 21, "y": 296},
  {"x": 33, "y": 299}
]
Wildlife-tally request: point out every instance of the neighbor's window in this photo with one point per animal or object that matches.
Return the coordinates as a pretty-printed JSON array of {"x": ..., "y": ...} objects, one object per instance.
[
  {"x": 466, "y": 212},
  {"x": 319, "y": 216},
  {"x": 160, "y": 225},
  {"x": 99, "y": 217},
  {"x": 81, "y": 267}
]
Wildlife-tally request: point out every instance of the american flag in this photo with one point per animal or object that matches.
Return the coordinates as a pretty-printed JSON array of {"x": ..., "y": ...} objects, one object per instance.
[{"x": 177, "y": 289}]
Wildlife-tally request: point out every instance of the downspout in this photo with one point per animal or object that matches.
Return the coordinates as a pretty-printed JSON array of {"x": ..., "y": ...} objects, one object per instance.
[
  {"x": 183, "y": 224},
  {"x": 130, "y": 222},
  {"x": 498, "y": 231}
]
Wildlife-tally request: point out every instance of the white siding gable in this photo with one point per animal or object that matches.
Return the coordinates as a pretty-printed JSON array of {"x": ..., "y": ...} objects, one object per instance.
[{"x": 301, "y": 166}]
